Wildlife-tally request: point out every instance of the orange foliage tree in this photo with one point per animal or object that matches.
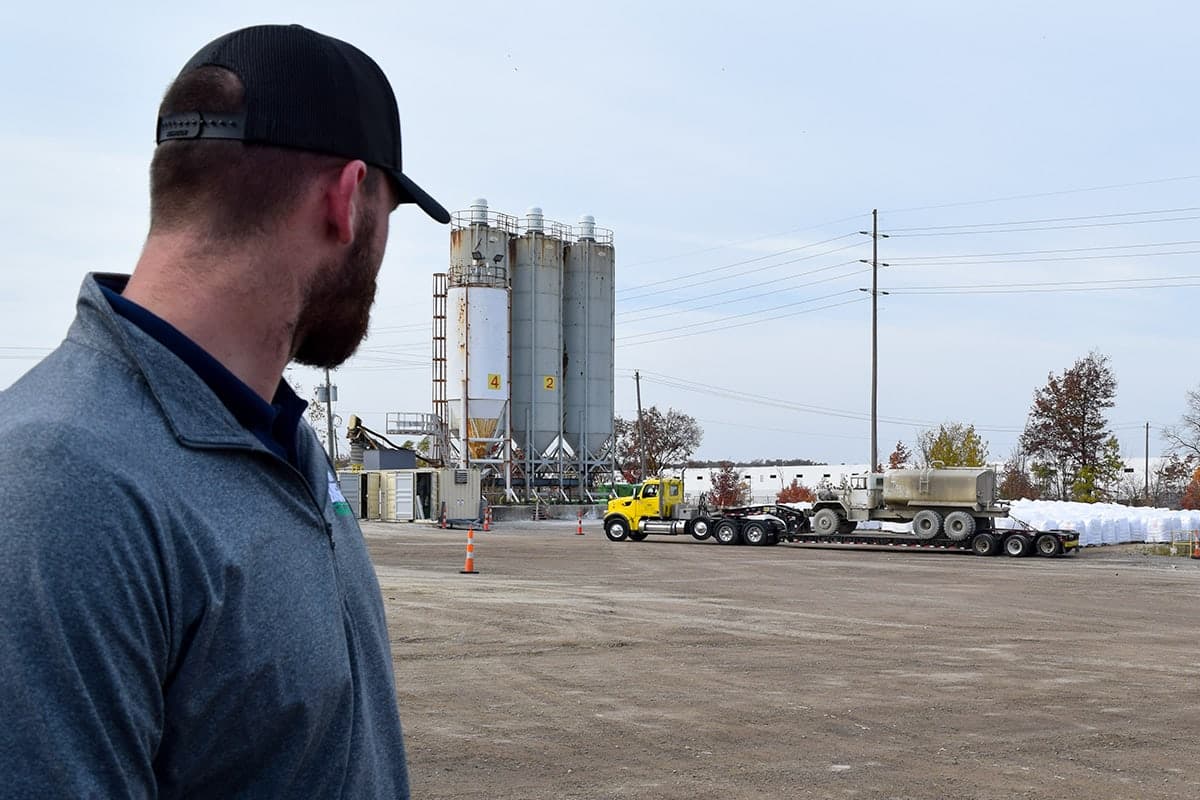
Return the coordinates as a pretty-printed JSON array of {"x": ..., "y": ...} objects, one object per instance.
[
  {"x": 795, "y": 493},
  {"x": 1191, "y": 495}
]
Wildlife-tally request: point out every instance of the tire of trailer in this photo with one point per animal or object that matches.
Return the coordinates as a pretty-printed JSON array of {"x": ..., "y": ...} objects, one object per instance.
[
  {"x": 826, "y": 522},
  {"x": 959, "y": 526},
  {"x": 698, "y": 528},
  {"x": 726, "y": 532},
  {"x": 1047, "y": 545},
  {"x": 754, "y": 533},
  {"x": 637, "y": 536},
  {"x": 927, "y": 524},
  {"x": 1016, "y": 545},
  {"x": 616, "y": 529},
  {"x": 985, "y": 544}
]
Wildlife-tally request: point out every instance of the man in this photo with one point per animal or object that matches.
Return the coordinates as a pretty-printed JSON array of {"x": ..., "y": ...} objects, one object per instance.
[{"x": 188, "y": 608}]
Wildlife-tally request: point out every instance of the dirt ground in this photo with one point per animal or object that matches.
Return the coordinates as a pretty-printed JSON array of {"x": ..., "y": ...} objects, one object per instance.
[{"x": 575, "y": 667}]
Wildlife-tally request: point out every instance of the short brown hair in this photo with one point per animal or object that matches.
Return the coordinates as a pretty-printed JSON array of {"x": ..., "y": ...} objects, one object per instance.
[{"x": 230, "y": 189}]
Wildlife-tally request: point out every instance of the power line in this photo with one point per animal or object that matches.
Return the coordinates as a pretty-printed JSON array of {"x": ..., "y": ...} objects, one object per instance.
[
  {"x": 1047, "y": 228},
  {"x": 1061, "y": 290},
  {"x": 1049, "y": 259},
  {"x": 972, "y": 287},
  {"x": 758, "y": 312},
  {"x": 721, "y": 267},
  {"x": 692, "y": 284},
  {"x": 701, "y": 251},
  {"x": 1043, "y": 252},
  {"x": 1046, "y": 219},
  {"x": 1036, "y": 195},
  {"x": 688, "y": 302},
  {"x": 764, "y": 400}
]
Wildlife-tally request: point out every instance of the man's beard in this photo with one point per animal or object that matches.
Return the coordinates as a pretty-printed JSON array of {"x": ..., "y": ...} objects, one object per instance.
[{"x": 337, "y": 307}]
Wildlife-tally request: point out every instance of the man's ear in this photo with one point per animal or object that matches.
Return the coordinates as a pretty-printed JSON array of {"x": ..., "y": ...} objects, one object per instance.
[{"x": 341, "y": 200}]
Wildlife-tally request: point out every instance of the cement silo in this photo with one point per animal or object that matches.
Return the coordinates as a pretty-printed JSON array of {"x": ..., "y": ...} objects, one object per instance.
[
  {"x": 588, "y": 346},
  {"x": 537, "y": 348},
  {"x": 477, "y": 366}
]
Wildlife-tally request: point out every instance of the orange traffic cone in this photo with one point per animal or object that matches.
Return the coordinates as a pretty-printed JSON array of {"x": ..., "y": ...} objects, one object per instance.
[
  {"x": 579, "y": 524},
  {"x": 487, "y": 518},
  {"x": 469, "y": 566}
]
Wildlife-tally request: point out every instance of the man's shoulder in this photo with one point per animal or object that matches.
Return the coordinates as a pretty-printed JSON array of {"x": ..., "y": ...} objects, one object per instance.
[{"x": 76, "y": 389}]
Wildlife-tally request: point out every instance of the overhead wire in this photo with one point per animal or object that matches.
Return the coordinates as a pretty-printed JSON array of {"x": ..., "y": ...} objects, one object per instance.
[
  {"x": 1041, "y": 228},
  {"x": 1036, "y": 195},
  {"x": 765, "y": 400},
  {"x": 727, "y": 245},
  {"x": 743, "y": 262},
  {"x": 1044, "y": 220},
  {"x": 689, "y": 303},
  {"x": 757, "y": 313},
  {"x": 707, "y": 281}
]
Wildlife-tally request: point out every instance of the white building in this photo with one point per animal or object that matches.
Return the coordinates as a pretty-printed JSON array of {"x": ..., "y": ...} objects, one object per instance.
[{"x": 766, "y": 482}]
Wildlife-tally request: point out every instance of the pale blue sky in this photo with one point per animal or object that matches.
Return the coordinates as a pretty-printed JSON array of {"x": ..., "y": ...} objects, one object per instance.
[{"x": 707, "y": 134}]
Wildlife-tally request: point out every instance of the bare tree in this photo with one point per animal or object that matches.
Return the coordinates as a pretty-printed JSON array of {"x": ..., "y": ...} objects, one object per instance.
[
  {"x": 1184, "y": 437},
  {"x": 669, "y": 438}
]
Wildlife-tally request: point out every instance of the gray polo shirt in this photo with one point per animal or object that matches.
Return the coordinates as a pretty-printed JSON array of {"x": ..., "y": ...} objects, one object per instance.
[{"x": 182, "y": 611}]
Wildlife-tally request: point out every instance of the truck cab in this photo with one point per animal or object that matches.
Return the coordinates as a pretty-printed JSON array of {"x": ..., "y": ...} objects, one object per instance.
[{"x": 657, "y": 507}]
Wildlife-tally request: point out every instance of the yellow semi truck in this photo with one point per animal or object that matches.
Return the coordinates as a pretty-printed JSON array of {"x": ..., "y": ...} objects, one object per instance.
[{"x": 949, "y": 509}]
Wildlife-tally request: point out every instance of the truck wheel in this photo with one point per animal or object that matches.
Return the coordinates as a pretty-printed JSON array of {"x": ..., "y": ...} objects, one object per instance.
[
  {"x": 927, "y": 524},
  {"x": 754, "y": 533},
  {"x": 1048, "y": 545},
  {"x": 1016, "y": 545},
  {"x": 985, "y": 544},
  {"x": 726, "y": 532},
  {"x": 699, "y": 528},
  {"x": 616, "y": 529},
  {"x": 637, "y": 536},
  {"x": 959, "y": 525},
  {"x": 825, "y": 522}
]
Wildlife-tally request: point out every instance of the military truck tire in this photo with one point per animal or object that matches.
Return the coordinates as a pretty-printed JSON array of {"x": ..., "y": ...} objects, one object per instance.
[
  {"x": 1047, "y": 545},
  {"x": 959, "y": 525},
  {"x": 616, "y": 529},
  {"x": 826, "y": 522},
  {"x": 726, "y": 532},
  {"x": 1017, "y": 545},
  {"x": 927, "y": 524},
  {"x": 985, "y": 544},
  {"x": 754, "y": 533},
  {"x": 637, "y": 536},
  {"x": 699, "y": 528}
]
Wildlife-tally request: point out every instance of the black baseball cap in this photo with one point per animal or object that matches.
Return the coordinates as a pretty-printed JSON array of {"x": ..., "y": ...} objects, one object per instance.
[{"x": 305, "y": 90}]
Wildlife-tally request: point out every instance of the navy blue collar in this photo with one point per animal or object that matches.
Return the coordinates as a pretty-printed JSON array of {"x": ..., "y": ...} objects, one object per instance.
[{"x": 275, "y": 424}]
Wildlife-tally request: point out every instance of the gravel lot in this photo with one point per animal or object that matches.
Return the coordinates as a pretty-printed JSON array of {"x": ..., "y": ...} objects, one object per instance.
[{"x": 575, "y": 667}]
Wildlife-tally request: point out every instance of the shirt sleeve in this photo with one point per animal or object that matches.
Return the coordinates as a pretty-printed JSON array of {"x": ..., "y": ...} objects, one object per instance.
[{"x": 85, "y": 630}]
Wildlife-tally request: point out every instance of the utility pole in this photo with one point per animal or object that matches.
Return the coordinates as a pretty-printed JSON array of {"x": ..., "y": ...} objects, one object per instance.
[
  {"x": 875, "y": 237},
  {"x": 329, "y": 417},
  {"x": 1147, "y": 463},
  {"x": 637, "y": 379}
]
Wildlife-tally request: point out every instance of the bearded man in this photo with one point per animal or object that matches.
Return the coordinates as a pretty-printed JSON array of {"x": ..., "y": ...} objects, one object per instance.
[{"x": 189, "y": 609}]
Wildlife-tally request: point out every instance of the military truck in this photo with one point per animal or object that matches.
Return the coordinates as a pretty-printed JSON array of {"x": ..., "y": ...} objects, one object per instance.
[{"x": 949, "y": 508}]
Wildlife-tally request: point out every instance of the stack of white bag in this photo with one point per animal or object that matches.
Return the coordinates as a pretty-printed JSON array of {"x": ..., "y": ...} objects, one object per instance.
[{"x": 1103, "y": 523}]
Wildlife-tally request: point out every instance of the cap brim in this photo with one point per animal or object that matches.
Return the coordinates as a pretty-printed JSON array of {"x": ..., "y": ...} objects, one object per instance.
[{"x": 411, "y": 193}]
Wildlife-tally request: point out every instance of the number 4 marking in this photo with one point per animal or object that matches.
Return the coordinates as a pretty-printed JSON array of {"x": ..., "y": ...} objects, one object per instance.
[{"x": 493, "y": 380}]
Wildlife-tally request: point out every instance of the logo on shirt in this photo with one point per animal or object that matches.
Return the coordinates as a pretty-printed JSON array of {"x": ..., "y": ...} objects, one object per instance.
[{"x": 340, "y": 506}]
